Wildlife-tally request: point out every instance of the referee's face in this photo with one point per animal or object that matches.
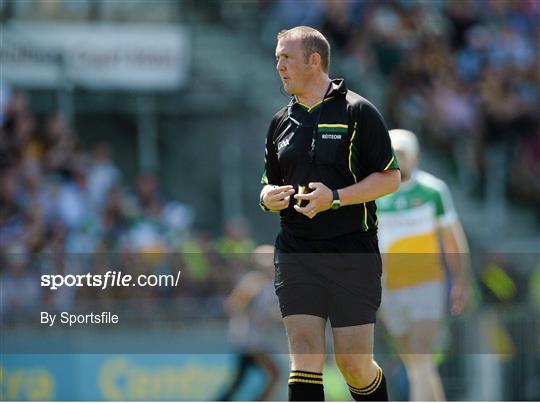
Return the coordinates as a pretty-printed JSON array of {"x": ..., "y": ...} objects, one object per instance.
[{"x": 291, "y": 65}]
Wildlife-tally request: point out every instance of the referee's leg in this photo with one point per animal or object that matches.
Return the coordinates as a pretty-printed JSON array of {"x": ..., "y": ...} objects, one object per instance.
[
  {"x": 307, "y": 352},
  {"x": 353, "y": 348}
]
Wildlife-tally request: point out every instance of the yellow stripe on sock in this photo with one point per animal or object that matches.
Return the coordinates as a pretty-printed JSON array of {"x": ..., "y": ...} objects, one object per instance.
[
  {"x": 316, "y": 382},
  {"x": 306, "y": 374},
  {"x": 367, "y": 392},
  {"x": 370, "y": 388}
]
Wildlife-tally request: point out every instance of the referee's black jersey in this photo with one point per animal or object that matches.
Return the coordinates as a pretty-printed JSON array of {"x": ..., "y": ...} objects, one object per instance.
[{"x": 338, "y": 142}]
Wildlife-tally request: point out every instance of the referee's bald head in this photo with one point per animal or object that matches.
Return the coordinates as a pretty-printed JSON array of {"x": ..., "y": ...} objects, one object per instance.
[{"x": 311, "y": 41}]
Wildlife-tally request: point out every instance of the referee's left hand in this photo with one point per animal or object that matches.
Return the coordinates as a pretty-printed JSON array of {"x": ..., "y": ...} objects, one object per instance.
[{"x": 319, "y": 200}]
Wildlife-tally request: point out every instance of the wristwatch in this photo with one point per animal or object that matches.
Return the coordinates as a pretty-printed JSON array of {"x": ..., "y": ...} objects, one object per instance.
[{"x": 336, "y": 203}]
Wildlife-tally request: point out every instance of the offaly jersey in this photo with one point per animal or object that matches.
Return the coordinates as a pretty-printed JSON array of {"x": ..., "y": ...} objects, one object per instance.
[{"x": 409, "y": 220}]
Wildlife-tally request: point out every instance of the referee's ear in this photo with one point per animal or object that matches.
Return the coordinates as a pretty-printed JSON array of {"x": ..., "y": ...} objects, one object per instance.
[{"x": 315, "y": 60}]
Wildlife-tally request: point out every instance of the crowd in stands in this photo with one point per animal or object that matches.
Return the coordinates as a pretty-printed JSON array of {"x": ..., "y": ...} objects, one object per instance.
[
  {"x": 464, "y": 75},
  {"x": 66, "y": 209}
]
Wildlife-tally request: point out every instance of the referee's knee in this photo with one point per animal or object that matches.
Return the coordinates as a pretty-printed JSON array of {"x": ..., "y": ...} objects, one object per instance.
[
  {"x": 306, "y": 342},
  {"x": 306, "y": 345}
]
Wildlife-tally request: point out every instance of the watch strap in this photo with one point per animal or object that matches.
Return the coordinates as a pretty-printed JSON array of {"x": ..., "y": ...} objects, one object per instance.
[
  {"x": 262, "y": 205},
  {"x": 335, "y": 196}
]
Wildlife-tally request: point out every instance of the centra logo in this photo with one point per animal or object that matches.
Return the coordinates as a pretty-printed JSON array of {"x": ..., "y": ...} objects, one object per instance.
[
  {"x": 331, "y": 136},
  {"x": 282, "y": 143}
]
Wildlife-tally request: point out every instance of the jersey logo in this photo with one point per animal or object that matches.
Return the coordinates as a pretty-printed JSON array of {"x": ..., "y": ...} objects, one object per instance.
[
  {"x": 282, "y": 144},
  {"x": 330, "y": 136}
]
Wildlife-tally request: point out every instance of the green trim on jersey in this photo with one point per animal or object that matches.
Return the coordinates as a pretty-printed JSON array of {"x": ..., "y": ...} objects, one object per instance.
[
  {"x": 393, "y": 164},
  {"x": 365, "y": 224},
  {"x": 353, "y": 153},
  {"x": 264, "y": 178},
  {"x": 314, "y": 107},
  {"x": 333, "y": 128},
  {"x": 354, "y": 159}
]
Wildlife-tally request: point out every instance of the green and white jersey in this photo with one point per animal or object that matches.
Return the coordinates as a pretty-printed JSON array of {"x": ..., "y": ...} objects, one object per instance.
[{"x": 409, "y": 220}]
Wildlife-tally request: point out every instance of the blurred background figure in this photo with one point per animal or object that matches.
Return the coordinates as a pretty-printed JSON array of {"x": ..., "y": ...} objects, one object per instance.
[
  {"x": 253, "y": 310},
  {"x": 103, "y": 174},
  {"x": 236, "y": 237},
  {"x": 19, "y": 286},
  {"x": 419, "y": 233}
]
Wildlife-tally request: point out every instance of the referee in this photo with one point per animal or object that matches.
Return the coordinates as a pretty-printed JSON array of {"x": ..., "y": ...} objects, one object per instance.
[{"x": 328, "y": 157}]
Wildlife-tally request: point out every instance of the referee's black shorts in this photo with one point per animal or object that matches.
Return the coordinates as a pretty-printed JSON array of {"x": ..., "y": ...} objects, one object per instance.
[{"x": 337, "y": 278}]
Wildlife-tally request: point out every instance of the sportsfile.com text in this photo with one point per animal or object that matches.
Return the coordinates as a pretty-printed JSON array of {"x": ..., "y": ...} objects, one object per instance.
[{"x": 109, "y": 279}]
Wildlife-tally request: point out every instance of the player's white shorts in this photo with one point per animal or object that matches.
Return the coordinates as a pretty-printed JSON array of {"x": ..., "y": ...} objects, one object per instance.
[{"x": 403, "y": 306}]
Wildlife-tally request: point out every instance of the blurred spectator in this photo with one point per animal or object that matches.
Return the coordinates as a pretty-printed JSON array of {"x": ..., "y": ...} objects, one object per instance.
[
  {"x": 61, "y": 205},
  {"x": 338, "y": 22},
  {"x": 59, "y": 144},
  {"x": 148, "y": 195},
  {"x": 235, "y": 247},
  {"x": 55, "y": 260},
  {"x": 203, "y": 267},
  {"x": 386, "y": 31},
  {"x": 19, "y": 287},
  {"x": 158, "y": 225},
  {"x": 462, "y": 17},
  {"x": 455, "y": 120},
  {"x": 72, "y": 198},
  {"x": 11, "y": 215},
  {"x": 115, "y": 219},
  {"x": 5, "y": 93},
  {"x": 102, "y": 174},
  {"x": 236, "y": 238}
]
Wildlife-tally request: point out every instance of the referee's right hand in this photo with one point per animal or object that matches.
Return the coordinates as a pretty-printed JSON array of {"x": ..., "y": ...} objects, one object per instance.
[{"x": 277, "y": 198}]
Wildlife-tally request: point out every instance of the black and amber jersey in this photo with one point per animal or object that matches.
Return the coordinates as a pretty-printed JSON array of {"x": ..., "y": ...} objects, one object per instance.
[{"x": 339, "y": 141}]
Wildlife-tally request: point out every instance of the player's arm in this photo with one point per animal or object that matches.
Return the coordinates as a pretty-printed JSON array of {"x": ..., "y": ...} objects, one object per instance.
[
  {"x": 244, "y": 292},
  {"x": 372, "y": 187},
  {"x": 274, "y": 195},
  {"x": 371, "y": 152},
  {"x": 455, "y": 249}
]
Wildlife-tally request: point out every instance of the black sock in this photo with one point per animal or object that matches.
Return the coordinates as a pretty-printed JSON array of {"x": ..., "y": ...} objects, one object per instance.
[
  {"x": 374, "y": 392},
  {"x": 306, "y": 386}
]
